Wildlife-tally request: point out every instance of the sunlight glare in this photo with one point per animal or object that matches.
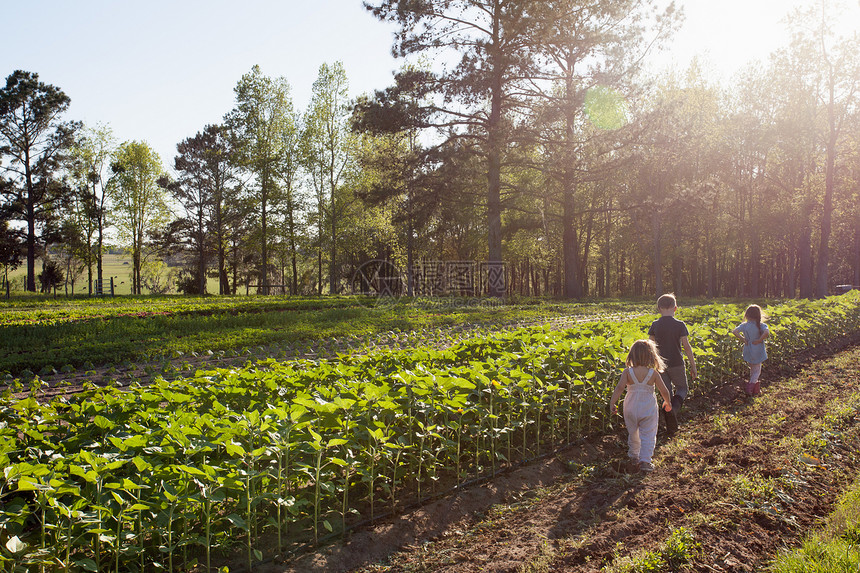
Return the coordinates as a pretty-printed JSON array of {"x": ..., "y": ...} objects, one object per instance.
[{"x": 606, "y": 108}]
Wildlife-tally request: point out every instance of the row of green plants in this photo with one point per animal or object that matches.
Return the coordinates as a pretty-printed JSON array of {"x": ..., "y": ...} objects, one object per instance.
[
  {"x": 286, "y": 453},
  {"x": 50, "y": 310},
  {"x": 88, "y": 334}
]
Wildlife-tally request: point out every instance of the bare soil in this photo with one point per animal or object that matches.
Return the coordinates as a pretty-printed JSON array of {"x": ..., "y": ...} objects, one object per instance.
[{"x": 746, "y": 477}]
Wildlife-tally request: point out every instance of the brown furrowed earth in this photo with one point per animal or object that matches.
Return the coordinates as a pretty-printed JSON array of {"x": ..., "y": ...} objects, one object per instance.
[{"x": 745, "y": 477}]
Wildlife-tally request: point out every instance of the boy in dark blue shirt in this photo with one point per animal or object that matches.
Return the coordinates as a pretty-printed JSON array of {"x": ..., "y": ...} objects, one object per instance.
[{"x": 671, "y": 334}]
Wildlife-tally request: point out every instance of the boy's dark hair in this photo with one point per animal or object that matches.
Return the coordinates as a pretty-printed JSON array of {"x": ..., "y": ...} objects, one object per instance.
[{"x": 667, "y": 301}]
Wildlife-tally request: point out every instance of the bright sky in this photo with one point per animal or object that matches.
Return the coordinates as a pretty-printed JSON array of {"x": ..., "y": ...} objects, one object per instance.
[{"x": 160, "y": 70}]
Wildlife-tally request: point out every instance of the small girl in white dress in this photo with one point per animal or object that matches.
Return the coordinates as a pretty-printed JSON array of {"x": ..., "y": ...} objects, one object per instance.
[{"x": 640, "y": 403}]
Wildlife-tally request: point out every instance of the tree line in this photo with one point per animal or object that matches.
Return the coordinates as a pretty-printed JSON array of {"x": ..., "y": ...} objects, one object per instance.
[{"x": 521, "y": 134}]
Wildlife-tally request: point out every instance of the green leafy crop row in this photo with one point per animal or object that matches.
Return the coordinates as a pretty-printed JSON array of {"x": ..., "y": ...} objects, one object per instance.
[
  {"x": 86, "y": 333},
  {"x": 165, "y": 474}
]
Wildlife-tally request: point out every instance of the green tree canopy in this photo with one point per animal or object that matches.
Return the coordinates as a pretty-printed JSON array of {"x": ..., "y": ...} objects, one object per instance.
[
  {"x": 33, "y": 143},
  {"x": 139, "y": 202}
]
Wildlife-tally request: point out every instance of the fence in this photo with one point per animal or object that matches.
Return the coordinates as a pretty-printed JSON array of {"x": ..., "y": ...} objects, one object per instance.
[{"x": 99, "y": 287}]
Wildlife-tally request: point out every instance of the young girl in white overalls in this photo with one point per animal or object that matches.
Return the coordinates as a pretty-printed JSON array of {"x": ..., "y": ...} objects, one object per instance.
[
  {"x": 640, "y": 404},
  {"x": 753, "y": 332}
]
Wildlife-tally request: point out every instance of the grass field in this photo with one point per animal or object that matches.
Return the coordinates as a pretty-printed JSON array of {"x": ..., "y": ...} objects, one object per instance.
[{"x": 116, "y": 266}]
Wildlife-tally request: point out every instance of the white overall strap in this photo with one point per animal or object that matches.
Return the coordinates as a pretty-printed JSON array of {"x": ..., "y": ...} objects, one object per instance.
[
  {"x": 632, "y": 375},
  {"x": 648, "y": 376}
]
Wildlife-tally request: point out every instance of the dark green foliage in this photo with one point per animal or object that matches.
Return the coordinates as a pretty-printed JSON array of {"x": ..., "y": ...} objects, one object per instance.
[{"x": 51, "y": 276}]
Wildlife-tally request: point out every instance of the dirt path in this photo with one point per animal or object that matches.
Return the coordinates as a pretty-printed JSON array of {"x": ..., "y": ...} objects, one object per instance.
[{"x": 745, "y": 477}]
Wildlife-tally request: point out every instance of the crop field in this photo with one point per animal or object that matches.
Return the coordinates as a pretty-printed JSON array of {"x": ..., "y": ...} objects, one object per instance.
[
  {"x": 259, "y": 461},
  {"x": 40, "y": 336}
]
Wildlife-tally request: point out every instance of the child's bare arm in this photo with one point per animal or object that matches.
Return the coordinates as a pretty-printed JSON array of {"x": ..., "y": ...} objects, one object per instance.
[
  {"x": 688, "y": 350},
  {"x": 765, "y": 335},
  {"x": 619, "y": 388},
  {"x": 664, "y": 392}
]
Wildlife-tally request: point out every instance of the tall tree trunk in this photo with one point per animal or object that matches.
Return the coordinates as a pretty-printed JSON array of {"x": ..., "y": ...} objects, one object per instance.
[
  {"x": 410, "y": 248},
  {"x": 856, "y": 262},
  {"x": 804, "y": 248},
  {"x": 570, "y": 248},
  {"x": 601, "y": 284},
  {"x": 201, "y": 252},
  {"x": 334, "y": 279},
  {"x": 822, "y": 268},
  {"x": 31, "y": 247},
  {"x": 791, "y": 267},
  {"x": 557, "y": 289},
  {"x": 494, "y": 219},
  {"x": 711, "y": 266},
  {"x": 319, "y": 270},
  {"x": 235, "y": 270},
  {"x": 525, "y": 278},
  {"x": 89, "y": 259},
  {"x": 607, "y": 254},
  {"x": 135, "y": 271},
  {"x": 263, "y": 287},
  {"x": 93, "y": 204},
  {"x": 294, "y": 287},
  {"x": 656, "y": 233},
  {"x": 31, "y": 226},
  {"x": 494, "y": 162},
  {"x": 755, "y": 262},
  {"x": 320, "y": 231},
  {"x": 89, "y": 269},
  {"x": 585, "y": 250},
  {"x": 677, "y": 271},
  {"x": 223, "y": 278},
  {"x": 99, "y": 267}
]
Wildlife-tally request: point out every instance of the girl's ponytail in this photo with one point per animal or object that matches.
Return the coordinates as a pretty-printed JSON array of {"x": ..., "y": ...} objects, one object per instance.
[{"x": 753, "y": 314}]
